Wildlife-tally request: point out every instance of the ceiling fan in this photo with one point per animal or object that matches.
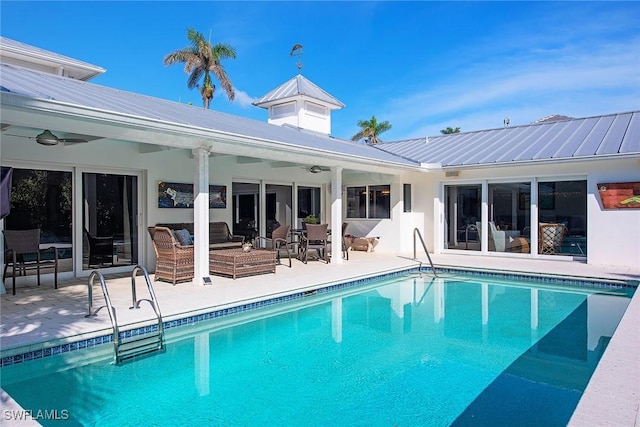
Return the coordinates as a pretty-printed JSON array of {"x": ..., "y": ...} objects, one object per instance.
[
  {"x": 318, "y": 169},
  {"x": 49, "y": 139}
]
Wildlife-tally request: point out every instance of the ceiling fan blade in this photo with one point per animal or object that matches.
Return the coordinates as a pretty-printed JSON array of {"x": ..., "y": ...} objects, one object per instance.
[{"x": 72, "y": 140}]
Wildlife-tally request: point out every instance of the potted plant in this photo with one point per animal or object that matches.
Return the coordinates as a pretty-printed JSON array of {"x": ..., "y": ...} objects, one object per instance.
[{"x": 310, "y": 219}]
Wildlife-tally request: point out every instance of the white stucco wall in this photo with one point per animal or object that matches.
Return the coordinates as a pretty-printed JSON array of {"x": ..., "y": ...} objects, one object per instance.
[{"x": 614, "y": 235}]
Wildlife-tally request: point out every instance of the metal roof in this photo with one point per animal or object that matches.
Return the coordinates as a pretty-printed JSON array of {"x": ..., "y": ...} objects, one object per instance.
[
  {"x": 297, "y": 86},
  {"x": 39, "y": 85},
  {"x": 13, "y": 51},
  {"x": 612, "y": 135}
]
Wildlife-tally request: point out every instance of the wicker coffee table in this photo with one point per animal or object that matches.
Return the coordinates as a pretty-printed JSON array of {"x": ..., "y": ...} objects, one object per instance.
[{"x": 238, "y": 263}]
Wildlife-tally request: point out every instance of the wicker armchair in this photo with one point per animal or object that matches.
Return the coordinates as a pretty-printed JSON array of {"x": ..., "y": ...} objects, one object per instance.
[
  {"x": 174, "y": 262},
  {"x": 550, "y": 237}
]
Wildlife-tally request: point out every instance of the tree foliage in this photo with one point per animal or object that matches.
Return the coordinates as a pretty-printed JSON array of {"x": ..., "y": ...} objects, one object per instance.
[
  {"x": 370, "y": 130},
  {"x": 449, "y": 130},
  {"x": 202, "y": 59}
]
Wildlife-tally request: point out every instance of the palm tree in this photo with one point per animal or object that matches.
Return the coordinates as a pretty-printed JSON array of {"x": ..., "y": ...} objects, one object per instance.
[
  {"x": 370, "y": 129},
  {"x": 449, "y": 130},
  {"x": 201, "y": 59}
]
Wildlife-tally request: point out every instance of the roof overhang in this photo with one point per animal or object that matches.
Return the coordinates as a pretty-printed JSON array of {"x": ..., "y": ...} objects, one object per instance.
[
  {"x": 29, "y": 57},
  {"x": 25, "y": 111}
]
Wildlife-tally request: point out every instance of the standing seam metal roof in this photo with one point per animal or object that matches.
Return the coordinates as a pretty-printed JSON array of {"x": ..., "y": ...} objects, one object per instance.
[
  {"x": 591, "y": 137},
  {"x": 299, "y": 85},
  {"x": 39, "y": 85}
]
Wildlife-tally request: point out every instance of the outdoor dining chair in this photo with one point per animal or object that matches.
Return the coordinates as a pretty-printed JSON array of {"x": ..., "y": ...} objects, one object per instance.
[
  {"x": 23, "y": 253},
  {"x": 316, "y": 237},
  {"x": 279, "y": 240},
  {"x": 100, "y": 250}
]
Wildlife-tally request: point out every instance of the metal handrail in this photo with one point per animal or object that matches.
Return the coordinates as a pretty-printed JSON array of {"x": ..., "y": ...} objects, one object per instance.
[
  {"x": 153, "y": 301},
  {"x": 136, "y": 304},
  {"x": 417, "y": 232},
  {"x": 110, "y": 307}
]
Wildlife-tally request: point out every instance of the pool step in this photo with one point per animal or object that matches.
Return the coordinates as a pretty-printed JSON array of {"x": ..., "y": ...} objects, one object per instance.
[{"x": 137, "y": 346}]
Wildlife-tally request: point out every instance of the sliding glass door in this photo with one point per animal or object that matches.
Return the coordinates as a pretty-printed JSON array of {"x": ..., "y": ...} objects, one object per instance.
[
  {"x": 109, "y": 219},
  {"x": 562, "y": 218},
  {"x": 509, "y": 226},
  {"x": 43, "y": 199},
  {"x": 462, "y": 212},
  {"x": 559, "y": 229}
]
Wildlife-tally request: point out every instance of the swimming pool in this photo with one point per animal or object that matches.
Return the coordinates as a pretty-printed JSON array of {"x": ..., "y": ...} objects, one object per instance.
[{"x": 413, "y": 350}]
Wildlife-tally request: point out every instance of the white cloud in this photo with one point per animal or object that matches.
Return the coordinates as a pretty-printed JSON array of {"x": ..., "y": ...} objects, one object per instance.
[
  {"x": 243, "y": 99},
  {"x": 574, "y": 80}
]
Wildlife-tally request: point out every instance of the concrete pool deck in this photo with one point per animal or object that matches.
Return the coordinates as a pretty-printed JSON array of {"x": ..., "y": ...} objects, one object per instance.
[{"x": 42, "y": 314}]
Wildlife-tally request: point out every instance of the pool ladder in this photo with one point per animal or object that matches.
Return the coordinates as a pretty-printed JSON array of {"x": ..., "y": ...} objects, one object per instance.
[
  {"x": 140, "y": 344},
  {"x": 416, "y": 234}
]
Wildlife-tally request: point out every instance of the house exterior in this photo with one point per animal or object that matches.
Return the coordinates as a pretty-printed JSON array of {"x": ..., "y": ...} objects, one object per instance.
[{"x": 119, "y": 162}]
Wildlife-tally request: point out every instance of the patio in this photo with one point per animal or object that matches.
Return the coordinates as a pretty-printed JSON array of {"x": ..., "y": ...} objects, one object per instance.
[{"x": 36, "y": 315}]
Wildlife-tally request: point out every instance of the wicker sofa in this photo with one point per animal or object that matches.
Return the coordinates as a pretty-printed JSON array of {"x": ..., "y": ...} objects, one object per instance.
[{"x": 220, "y": 236}]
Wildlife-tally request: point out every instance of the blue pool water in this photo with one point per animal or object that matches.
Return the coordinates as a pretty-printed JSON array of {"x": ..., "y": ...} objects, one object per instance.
[{"x": 412, "y": 351}]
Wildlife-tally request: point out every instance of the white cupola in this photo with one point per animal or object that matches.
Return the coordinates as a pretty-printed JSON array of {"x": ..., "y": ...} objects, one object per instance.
[{"x": 300, "y": 103}]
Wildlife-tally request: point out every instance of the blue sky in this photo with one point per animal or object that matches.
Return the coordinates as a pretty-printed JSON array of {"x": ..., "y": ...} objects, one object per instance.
[{"x": 422, "y": 66}]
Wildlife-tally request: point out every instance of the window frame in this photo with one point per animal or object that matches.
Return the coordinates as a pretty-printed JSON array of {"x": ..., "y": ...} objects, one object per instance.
[{"x": 369, "y": 195}]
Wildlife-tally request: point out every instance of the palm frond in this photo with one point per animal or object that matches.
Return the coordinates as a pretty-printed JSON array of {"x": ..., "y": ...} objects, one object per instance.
[
  {"x": 200, "y": 59},
  {"x": 194, "y": 77}
]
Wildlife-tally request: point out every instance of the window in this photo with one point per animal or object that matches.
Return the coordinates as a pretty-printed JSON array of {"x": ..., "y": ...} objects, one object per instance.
[
  {"x": 309, "y": 202},
  {"x": 407, "y": 197},
  {"x": 284, "y": 110},
  {"x": 372, "y": 201},
  {"x": 315, "y": 109}
]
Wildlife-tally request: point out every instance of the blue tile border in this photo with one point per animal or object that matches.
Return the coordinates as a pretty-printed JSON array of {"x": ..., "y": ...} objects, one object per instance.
[
  {"x": 106, "y": 339},
  {"x": 540, "y": 278}
]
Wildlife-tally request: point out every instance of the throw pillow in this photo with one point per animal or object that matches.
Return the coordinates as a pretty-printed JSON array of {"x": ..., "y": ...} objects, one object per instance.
[{"x": 184, "y": 237}]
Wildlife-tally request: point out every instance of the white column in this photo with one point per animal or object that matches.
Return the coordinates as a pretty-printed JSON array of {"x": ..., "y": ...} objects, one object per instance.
[
  {"x": 201, "y": 214},
  {"x": 262, "y": 211},
  {"x": 336, "y": 215}
]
